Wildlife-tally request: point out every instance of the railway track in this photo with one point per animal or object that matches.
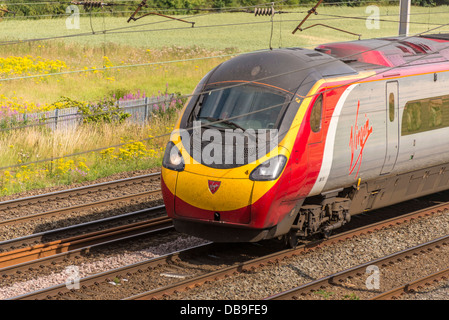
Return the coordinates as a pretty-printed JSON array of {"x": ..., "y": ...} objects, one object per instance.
[
  {"x": 76, "y": 192},
  {"x": 84, "y": 241},
  {"x": 32, "y": 252},
  {"x": 160, "y": 270},
  {"x": 253, "y": 265},
  {"x": 414, "y": 286},
  {"x": 44, "y": 200},
  {"x": 154, "y": 268},
  {"x": 351, "y": 283},
  {"x": 59, "y": 212},
  {"x": 79, "y": 205}
]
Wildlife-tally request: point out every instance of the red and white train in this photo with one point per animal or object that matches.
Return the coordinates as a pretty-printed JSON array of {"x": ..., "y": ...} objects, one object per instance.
[{"x": 360, "y": 125}]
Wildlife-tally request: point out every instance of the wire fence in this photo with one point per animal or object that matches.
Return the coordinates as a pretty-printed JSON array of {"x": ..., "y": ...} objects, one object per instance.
[{"x": 139, "y": 111}]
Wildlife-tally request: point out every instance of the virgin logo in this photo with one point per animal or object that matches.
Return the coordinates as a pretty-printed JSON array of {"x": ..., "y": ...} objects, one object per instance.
[
  {"x": 357, "y": 141},
  {"x": 213, "y": 186}
]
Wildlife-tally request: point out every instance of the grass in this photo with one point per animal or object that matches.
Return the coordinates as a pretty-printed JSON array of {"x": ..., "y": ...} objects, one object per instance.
[
  {"x": 153, "y": 43},
  {"x": 30, "y": 145},
  {"x": 94, "y": 85}
]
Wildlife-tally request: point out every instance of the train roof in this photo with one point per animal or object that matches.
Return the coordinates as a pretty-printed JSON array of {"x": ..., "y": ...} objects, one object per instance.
[
  {"x": 286, "y": 68},
  {"x": 390, "y": 52},
  {"x": 298, "y": 68}
]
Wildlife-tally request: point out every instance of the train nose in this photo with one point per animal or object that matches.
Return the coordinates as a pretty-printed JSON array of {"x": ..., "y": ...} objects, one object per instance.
[{"x": 211, "y": 198}]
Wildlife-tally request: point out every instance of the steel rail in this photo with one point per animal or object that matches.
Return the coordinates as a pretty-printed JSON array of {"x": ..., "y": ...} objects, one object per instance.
[
  {"x": 22, "y": 202},
  {"x": 411, "y": 287},
  {"x": 337, "y": 278},
  {"x": 23, "y": 255},
  {"x": 84, "y": 206},
  {"x": 38, "y": 238},
  {"x": 51, "y": 260},
  {"x": 211, "y": 276},
  {"x": 158, "y": 227},
  {"x": 48, "y": 293}
]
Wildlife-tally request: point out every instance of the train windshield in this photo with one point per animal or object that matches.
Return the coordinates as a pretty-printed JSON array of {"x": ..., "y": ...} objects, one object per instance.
[{"x": 244, "y": 107}]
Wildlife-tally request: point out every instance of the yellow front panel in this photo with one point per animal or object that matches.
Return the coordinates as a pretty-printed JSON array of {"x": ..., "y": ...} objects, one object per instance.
[
  {"x": 232, "y": 194},
  {"x": 169, "y": 177}
]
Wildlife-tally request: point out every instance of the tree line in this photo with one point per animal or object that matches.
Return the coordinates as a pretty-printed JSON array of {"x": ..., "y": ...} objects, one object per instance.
[{"x": 26, "y": 8}]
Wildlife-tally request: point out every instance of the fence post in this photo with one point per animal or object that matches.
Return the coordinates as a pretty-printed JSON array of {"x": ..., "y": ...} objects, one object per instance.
[
  {"x": 56, "y": 118},
  {"x": 145, "y": 120}
]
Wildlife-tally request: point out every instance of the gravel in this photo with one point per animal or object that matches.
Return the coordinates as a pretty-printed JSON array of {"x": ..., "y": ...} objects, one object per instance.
[
  {"x": 282, "y": 276},
  {"x": 97, "y": 266}
]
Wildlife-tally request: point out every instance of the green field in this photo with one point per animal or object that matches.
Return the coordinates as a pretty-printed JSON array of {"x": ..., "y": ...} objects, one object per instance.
[
  {"x": 221, "y": 30},
  {"x": 154, "y": 39},
  {"x": 152, "y": 56}
]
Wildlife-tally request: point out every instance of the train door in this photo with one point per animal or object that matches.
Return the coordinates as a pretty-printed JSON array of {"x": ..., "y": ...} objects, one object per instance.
[
  {"x": 314, "y": 144},
  {"x": 392, "y": 126}
]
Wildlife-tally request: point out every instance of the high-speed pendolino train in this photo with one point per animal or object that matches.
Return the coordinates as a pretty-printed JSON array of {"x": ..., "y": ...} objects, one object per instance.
[{"x": 293, "y": 142}]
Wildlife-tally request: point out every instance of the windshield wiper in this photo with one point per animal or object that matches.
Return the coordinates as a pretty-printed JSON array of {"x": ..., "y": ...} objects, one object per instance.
[{"x": 227, "y": 122}]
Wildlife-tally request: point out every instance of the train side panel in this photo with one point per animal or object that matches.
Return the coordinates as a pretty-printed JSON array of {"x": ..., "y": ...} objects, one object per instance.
[
  {"x": 388, "y": 139},
  {"x": 424, "y": 107},
  {"x": 355, "y": 143}
]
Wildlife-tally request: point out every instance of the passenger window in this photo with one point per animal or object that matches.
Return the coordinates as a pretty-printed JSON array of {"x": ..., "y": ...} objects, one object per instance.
[
  {"x": 391, "y": 106},
  {"x": 315, "y": 116},
  {"x": 435, "y": 114},
  {"x": 425, "y": 115},
  {"x": 414, "y": 117}
]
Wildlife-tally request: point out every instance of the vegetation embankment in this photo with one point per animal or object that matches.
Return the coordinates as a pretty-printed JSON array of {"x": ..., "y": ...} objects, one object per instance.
[{"x": 27, "y": 140}]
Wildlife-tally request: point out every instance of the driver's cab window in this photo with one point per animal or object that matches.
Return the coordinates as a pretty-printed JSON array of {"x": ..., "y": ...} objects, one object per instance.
[{"x": 316, "y": 114}]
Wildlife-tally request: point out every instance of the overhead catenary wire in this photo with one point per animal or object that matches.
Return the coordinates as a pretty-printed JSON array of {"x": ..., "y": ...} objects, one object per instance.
[
  {"x": 120, "y": 30},
  {"x": 122, "y": 66},
  {"x": 139, "y": 25},
  {"x": 334, "y": 17},
  {"x": 203, "y": 9},
  {"x": 114, "y": 30},
  {"x": 203, "y": 92}
]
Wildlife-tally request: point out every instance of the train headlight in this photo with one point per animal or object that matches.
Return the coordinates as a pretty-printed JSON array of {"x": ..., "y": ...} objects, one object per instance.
[
  {"x": 172, "y": 158},
  {"x": 269, "y": 170}
]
